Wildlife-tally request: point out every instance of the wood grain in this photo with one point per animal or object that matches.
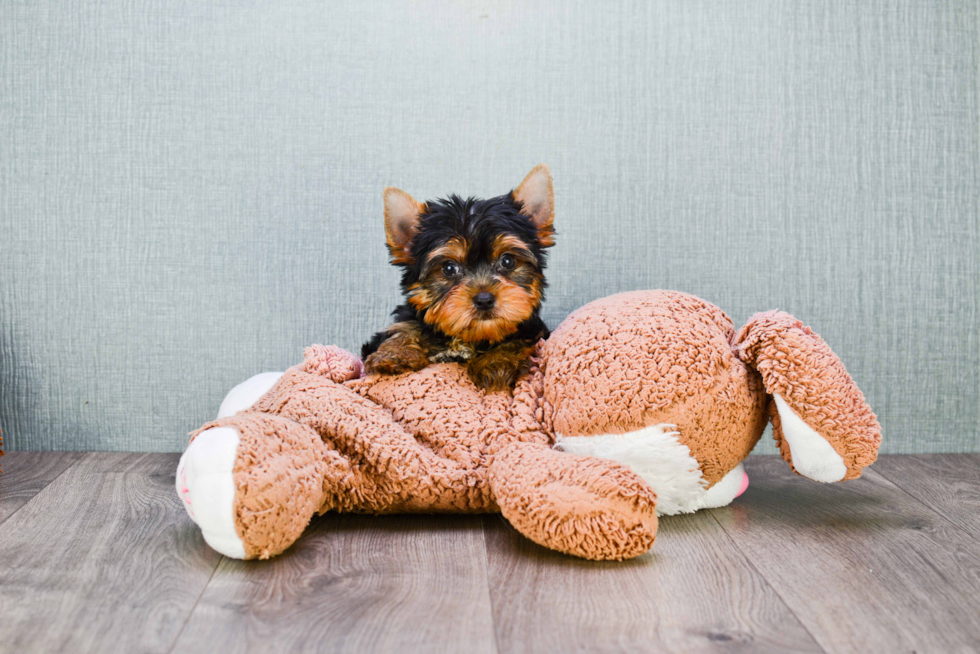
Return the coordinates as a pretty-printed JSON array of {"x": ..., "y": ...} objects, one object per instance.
[
  {"x": 355, "y": 584},
  {"x": 949, "y": 484},
  {"x": 100, "y": 557},
  {"x": 694, "y": 592},
  {"x": 25, "y": 474},
  {"x": 864, "y": 566},
  {"x": 103, "y": 559}
]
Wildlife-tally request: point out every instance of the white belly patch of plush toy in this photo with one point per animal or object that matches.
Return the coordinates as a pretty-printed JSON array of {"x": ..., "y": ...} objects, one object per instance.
[{"x": 656, "y": 454}]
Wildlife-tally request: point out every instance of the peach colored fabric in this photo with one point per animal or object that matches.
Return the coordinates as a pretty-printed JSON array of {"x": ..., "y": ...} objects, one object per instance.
[
  {"x": 424, "y": 442},
  {"x": 643, "y": 358},
  {"x": 325, "y": 439}
]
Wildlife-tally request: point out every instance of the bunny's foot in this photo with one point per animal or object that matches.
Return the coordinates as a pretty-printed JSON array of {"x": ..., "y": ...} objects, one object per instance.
[
  {"x": 252, "y": 482},
  {"x": 247, "y": 393},
  {"x": 585, "y": 506},
  {"x": 206, "y": 484}
]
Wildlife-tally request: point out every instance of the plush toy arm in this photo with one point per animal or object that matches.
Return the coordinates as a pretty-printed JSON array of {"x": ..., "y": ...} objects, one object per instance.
[
  {"x": 824, "y": 428},
  {"x": 253, "y": 479},
  {"x": 589, "y": 507}
]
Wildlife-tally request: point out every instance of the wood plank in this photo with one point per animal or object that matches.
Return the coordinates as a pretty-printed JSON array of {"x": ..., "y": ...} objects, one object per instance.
[
  {"x": 863, "y": 565},
  {"x": 693, "y": 592},
  {"x": 100, "y": 556},
  {"x": 103, "y": 559},
  {"x": 949, "y": 484},
  {"x": 356, "y": 584},
  {"x": 25, "y": 474}
]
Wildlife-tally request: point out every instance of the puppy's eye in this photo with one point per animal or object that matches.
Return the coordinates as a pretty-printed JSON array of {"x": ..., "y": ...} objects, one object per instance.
[
  {"x": 507, "y": 262},
  {"x": 450, "y": 269}
]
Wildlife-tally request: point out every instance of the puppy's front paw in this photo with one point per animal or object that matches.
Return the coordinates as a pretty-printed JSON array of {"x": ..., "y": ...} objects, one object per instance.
[
  {"x": 494, "y": 374},
  {"x": 395, "y": 361}
]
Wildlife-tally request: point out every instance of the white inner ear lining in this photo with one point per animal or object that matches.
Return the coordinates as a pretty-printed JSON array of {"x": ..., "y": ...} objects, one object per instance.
[{"x": 813, "y": 457}]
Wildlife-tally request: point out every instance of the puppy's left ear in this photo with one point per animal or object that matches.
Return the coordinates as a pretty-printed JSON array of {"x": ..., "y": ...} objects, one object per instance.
[{"x": 537, "y": 195}]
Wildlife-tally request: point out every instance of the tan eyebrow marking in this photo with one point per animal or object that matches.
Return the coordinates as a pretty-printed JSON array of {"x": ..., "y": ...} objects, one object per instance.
[
  {"x": 507, "y": 243},
  {"x": 454, "y": 248}
]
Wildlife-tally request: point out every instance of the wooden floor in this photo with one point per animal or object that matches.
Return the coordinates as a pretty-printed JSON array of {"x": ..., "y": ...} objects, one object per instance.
[{"x": 96, "y": 554}]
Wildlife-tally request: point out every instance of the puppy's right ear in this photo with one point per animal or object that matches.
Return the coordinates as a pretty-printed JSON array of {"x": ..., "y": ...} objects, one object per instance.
[
  {"x": 402, "y": 216},
  {"x": 537, "y": 197}
]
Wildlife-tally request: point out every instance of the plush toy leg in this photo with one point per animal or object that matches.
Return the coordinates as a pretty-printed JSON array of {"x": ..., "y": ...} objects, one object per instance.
[
  {"x": 206, "y": 484},
  {"x": 586, "y": 506},
  {"x": 253, "y": 481},
  {"x": 824, "y": 428},
  {"x": 727, "y": 488},
  {"x": 247, "y": 393}
]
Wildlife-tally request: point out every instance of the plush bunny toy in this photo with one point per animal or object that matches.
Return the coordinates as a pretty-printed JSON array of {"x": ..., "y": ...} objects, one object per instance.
[{"x": 638, "y": 404}]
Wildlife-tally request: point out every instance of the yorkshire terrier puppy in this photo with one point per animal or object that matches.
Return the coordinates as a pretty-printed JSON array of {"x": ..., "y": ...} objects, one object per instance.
[{"x": 472, "y": 275}]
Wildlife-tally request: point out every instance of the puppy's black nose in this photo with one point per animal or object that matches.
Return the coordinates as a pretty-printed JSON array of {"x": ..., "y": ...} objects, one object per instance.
[{"x": 483, "y": 301}]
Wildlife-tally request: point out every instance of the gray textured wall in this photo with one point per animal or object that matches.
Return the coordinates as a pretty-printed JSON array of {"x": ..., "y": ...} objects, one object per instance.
[{"x": 190, "y": 192}]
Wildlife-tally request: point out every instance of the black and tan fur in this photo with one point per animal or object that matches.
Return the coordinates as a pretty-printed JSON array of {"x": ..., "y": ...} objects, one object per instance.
[{"x": 473, "y": 279}]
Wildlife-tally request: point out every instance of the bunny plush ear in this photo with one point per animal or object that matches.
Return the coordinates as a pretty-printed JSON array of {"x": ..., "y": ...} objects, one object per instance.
[
  {"x": 402, "y": 215},
  {"x": 537, "y": 196}
]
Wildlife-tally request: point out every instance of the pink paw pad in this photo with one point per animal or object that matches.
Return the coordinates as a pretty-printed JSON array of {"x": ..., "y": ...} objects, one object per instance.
[
  {"x": 185, "y": 492},
  {"x": 744, "y": 485}
]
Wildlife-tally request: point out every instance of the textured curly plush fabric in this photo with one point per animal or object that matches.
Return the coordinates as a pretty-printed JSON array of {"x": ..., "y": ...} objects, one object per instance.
[
  {"x": 799, "y": 366},
  {"x": 423, "y": 442},
  {"x": 326, "y": 439},
  {"x": 644, "y": 358}
]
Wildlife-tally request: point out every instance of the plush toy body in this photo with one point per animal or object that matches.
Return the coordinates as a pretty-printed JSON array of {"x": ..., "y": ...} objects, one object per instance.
[{"x": 638, "y": 404}]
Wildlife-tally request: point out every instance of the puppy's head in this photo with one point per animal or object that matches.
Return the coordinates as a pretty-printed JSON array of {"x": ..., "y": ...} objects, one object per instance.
[{"x": 472, "y": 268}]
